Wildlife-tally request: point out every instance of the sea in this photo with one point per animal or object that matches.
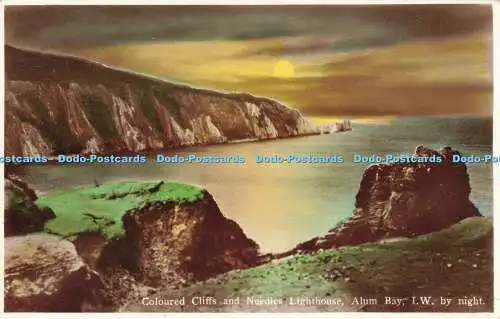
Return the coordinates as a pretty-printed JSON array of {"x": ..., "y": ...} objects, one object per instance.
[{"x": 281, "y": 205}]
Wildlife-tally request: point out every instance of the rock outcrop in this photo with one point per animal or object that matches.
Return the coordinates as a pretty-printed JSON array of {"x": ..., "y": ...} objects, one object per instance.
[
  {"x": 168, "y": 244},
  {"x": 194, "y": 241},
  {"x": 44, "y": 273},
  {"x": 60, "y": 104},
  {"x": 172, "y": 245},
  {"x": 404, "y": 200},
  {"x": 170, "y": 235},
  {"x": 21, "y": 214}
]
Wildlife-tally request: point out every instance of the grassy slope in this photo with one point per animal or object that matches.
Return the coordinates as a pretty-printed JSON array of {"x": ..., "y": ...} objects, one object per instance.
[
  {"x": 451, "y": 263},
  {"x": 100, "y": 209}
]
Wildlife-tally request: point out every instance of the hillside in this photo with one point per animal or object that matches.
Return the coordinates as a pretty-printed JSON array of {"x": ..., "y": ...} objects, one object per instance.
[
  {"x": 452, "y": 263},
  {"x": 62, "y": 104}
]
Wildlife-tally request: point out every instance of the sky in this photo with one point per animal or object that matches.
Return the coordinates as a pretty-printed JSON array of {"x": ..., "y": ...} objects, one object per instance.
[{"x": 341, "y": 61}]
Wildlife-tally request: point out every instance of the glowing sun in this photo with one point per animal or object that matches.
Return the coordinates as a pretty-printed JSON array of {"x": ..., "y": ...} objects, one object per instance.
[{"x": 284, "y": 69}]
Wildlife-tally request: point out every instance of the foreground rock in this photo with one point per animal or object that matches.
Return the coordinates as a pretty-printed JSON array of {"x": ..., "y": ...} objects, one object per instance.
[
  {"x": 194, "y": 240},
  {"x": 44, "y": 273},
  {"x": 21, "y": 214},
  {"x": 404, "y": 200},
  {"x": 60, "y": 104},
  {"x": 143, "y": 235},
  {"x": 173, "y": 245}
]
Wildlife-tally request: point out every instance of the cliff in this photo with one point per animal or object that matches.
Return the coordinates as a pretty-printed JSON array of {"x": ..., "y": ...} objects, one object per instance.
[
  {"x": 60, "y": 104},
  {"x": 404, "y": 200},
  {"x": 142, "y": 235},
  {"x": 194, "y": 240}
]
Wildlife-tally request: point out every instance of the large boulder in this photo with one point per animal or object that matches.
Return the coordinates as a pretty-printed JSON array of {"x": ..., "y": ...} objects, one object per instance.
[
  {"x": 21, "y": 214},
  {"x": 404, "y": 200},
  {"x": 170, "y": 243},
  {"x": 43, "y": 273}
]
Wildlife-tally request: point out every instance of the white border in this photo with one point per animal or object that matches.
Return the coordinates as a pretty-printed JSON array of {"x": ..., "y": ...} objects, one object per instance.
[
  {"x": 496, "y": 150},
  {"x": 241, "y": 2}
]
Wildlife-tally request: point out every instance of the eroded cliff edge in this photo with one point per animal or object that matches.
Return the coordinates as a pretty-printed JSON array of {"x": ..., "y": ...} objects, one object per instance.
[
  {"x": 61, "y": 104},
  {"x": 126, "y": 239}
]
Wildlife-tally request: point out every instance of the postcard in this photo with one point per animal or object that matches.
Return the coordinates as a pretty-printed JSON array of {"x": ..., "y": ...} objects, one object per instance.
[{"x": 248, "y": 158}]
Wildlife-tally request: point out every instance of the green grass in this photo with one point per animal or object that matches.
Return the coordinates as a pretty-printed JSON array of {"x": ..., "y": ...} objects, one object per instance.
[{"x": 100, "y": 209}]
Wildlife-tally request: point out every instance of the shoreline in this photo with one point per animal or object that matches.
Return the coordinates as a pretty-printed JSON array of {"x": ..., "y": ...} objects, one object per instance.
[{"x": 52, "y": 158}]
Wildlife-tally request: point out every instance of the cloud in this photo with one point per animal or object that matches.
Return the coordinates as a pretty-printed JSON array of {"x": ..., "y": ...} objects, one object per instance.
[
  {"x": 366, "y": 96},
  {"x": 49, "y": 26},
  {"x": 415, "y": 78},
  {"x": 349, "y": 60},
  {"x": 437, "y": 20}
]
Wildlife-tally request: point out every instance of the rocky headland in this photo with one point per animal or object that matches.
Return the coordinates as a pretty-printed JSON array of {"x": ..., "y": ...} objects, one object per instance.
[
  {"x": 403, "y": 200},
  {"x": 66, "y": 105},
  {"x": 414, "y": 232}
]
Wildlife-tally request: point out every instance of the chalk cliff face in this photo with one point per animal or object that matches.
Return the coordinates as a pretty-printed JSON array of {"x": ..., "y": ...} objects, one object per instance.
[
  {"x": 404, "y": 200},
  {"x": 60, "y": 104}
]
